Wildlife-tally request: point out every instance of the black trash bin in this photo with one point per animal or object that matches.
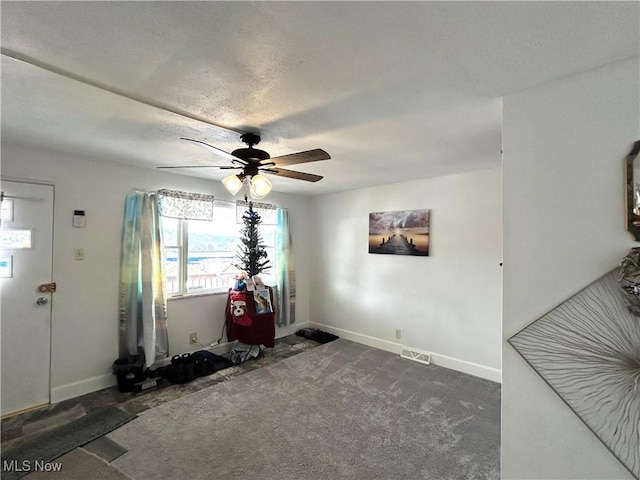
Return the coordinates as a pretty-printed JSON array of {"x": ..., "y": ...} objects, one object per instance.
[{"x": 129, "y": 370}]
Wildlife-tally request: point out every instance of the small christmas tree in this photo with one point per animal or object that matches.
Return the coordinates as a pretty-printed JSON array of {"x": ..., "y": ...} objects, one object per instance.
[{"x": 252, "y": 254}]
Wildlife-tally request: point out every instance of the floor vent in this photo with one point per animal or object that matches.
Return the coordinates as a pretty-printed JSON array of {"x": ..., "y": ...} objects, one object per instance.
[{"x": 415, "y": 355}]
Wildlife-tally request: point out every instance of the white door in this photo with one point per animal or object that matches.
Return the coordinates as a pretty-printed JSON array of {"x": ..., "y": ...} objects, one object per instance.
[{"x": 26, "y": 252}]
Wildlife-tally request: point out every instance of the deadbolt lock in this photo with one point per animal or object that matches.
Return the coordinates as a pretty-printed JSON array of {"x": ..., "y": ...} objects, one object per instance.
[{"x": 47, "y": 287}]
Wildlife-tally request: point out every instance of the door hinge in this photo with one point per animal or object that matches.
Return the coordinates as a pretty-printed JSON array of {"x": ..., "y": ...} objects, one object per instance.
[{"x": 47, "y": 287}]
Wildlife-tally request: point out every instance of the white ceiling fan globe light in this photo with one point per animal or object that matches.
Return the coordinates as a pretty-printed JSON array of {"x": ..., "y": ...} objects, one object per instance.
[
  {"x": 232, "y": 183},
  {"x": 260, "y": 186},
  {"x": 254, "y": 195}
]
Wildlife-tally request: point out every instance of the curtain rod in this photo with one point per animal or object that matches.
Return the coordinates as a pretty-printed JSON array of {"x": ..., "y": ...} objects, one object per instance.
[{"x": 217, "y": 200}]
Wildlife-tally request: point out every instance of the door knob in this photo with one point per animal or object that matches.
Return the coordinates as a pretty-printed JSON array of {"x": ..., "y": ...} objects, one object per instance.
[{"x": 42, "y": 301}]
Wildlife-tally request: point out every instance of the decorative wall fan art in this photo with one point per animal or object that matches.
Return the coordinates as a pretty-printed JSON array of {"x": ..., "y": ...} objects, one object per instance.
[{"x": 588, "y": 351}]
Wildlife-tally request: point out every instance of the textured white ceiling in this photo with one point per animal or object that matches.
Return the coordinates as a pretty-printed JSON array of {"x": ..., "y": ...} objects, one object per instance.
[{"x": 392, "y": 90}]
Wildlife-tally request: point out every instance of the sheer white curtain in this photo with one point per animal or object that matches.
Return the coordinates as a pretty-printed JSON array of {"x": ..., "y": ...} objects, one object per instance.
[
  {"x": 286, "y": 279},
  {"x": 143, "y": 306}
]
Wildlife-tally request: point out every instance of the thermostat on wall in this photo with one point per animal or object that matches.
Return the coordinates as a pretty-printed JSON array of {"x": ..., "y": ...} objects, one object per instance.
[{"x": 78, "y": 218}]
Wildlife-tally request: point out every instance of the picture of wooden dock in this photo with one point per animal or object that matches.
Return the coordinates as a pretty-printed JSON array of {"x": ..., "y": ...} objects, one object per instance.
[{"x": 404, "y": 232}]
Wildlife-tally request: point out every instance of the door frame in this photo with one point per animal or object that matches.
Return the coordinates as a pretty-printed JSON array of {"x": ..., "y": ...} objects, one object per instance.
[{"x": 45, "y": 183}]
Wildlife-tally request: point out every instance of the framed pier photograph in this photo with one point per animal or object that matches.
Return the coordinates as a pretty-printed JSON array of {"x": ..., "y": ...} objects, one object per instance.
[{"x": 404, "y": 232}]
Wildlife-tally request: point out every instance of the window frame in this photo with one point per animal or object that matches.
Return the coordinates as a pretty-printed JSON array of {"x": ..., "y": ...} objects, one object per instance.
[{"x": 182, "y": 235}]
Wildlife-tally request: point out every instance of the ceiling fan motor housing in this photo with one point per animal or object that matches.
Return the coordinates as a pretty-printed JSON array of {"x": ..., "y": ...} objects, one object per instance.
[
  {"x": 251, "y": 154},
  {"x": 250, "y": 170},
  {"x": 250, "y": 138}
]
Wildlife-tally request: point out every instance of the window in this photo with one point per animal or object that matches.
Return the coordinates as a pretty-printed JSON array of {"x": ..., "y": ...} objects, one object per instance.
[{"x": 199, "y": 254}]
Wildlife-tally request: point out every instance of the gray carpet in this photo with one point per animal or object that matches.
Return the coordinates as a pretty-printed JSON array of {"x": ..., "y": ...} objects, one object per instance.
[
  {"x": 79, "y": 464},
  {"x": 106, "y": 449},
  {"x": 45, "y": 448},
  {"x": 339, "y": 411}
]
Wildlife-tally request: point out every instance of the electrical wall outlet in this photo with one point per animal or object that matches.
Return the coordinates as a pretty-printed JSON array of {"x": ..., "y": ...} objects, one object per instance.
[
  {"x": 398, "y": 333},
  {"x": 193, "y": 337}
]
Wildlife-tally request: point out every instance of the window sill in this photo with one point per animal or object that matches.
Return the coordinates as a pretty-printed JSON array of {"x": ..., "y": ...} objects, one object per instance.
[
  {"x": 206, "y": 294},
  {"x": 195, "y": 295}
]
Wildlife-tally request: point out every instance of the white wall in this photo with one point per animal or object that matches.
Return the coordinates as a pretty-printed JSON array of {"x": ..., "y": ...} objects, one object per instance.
[
  {"x": 564, "y": 227},
  {"x": 85, "y": 306},
  {"x": 448, "y": 304}
]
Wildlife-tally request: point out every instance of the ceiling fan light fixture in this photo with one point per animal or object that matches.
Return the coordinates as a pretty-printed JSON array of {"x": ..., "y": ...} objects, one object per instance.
[
  {"x": 251, "y": 161},
  {"x": 233, "y": 184},
  {"x": 260, "y": 186}
]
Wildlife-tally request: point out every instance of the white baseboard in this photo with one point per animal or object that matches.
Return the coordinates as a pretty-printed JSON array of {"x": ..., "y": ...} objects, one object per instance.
[
  {"x": 475, "y": 369},
  {"x": 219, "y": 349},
  {"x": 290, "y": 329},
  {"x": 482, "y": 371},
  {"x": 374, "y": 342},
  {"x": 82, "y": 387}
]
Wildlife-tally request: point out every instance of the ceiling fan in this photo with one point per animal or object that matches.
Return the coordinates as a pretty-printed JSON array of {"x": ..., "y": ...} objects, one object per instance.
[{"x": 253, "y": 162}]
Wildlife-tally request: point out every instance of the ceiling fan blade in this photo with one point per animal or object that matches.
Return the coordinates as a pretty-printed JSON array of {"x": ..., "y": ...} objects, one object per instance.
[
  {"x": 223, "y": 167},
  {"x": 215, "y": 150},
  {"x": 300, "y": 157},
  {"x": 282, "y": 172},
  {"x": 190, "y": 166}
]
